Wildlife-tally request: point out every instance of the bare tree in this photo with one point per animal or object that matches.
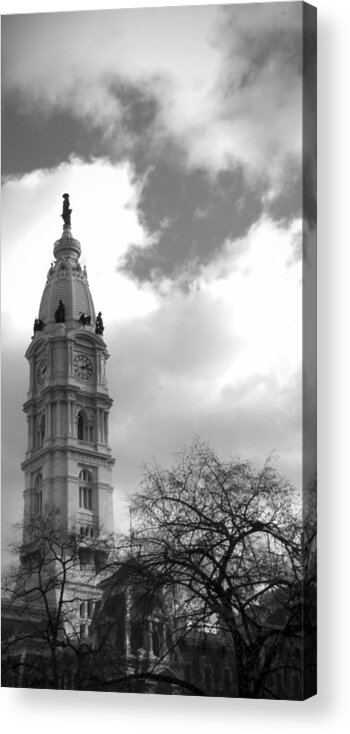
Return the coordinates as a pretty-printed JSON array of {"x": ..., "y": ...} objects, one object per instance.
[
  {"x": 213, "y": 592},
  {"x": 228, "y": 539},
  {"x": 57, "y": 627},
  {"x": 48, "y": 606}
]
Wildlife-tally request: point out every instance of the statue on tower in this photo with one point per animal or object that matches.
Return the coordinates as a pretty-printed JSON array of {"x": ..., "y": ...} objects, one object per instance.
[
  {"x": 99, "y": 324},
  {"x": 85, "y": 319},
  {"x": 38, "y": 326},
  {"x": 60, "y": 313},
  {"x": 66, "y": 210}
]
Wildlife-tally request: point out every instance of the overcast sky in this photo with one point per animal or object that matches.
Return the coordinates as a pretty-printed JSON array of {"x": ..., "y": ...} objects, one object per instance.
[{"x": 178, "y": 134}]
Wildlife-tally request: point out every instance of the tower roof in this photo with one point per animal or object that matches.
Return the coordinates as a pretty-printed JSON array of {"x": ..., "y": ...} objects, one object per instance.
[{"x": 67, "y": 283}]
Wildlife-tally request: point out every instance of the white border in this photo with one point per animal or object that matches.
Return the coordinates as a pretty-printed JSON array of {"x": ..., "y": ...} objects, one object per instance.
[{"x": 37, "y": 711}]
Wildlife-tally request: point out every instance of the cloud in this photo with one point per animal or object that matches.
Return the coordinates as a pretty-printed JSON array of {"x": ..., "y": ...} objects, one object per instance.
[
  {"x": 188, "y": 219},
  {"x": 220, "y": 82},
  {"x": 205, "y": 103},
  {"x": 138, "y": 46},
  {"x": 259, "y": 87}
]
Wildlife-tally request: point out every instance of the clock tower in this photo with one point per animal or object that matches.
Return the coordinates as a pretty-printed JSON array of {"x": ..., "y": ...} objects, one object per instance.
[{"x": 68, "y": 461}]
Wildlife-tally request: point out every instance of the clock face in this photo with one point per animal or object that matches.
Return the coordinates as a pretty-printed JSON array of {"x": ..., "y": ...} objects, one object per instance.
[
  {"x": 42, "y": 371},
  {"x": 82, "y": 366}
]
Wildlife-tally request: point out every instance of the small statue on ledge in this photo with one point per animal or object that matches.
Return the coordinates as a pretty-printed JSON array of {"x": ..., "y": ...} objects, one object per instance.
[
  {"x": 85, "y": 319},
  {"x": 38, "y": 325},
  {"x": 60, "y": 313},
  {"x": 66, "y": 210},
  {"x": 99, "y": 324}
]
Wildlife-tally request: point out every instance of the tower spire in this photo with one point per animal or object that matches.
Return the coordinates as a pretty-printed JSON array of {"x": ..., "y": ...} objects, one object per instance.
[{"x": 68, "y": 401}]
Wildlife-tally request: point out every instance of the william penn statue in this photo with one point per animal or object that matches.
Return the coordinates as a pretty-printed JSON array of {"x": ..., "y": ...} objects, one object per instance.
[{"x": 66, "y": 210}]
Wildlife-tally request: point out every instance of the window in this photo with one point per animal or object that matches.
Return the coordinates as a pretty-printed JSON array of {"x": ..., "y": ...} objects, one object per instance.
[
  {"x": 157, "y": 637},
  {"x": 86, "y": 611},
  {"x": 85, "y": 492},
  {"x": 85, "y": 498},
  {"x": 85, "y": 560},
  {"x": 91, "y": 607},
  {"x": 40, "y": 430},
  {"x": 85, "y": 430},
  {"x": 80, "y": 427},
  {"x": 137, "y": 641},
  {"x": 38, "y": 502}
]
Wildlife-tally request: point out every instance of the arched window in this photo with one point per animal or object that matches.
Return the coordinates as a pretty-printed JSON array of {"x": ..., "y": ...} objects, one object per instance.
[
  {"x": 38, "y": 494},
  {"x": 85, "y": 490}
]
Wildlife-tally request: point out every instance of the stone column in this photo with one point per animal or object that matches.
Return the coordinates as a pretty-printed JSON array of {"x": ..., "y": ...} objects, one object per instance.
[
  {"x": 98, "y": 425},
  {"x": 103, "y": 440},
  {"x": 72, "y": 417},
  {"x": 30, "y": 431},
  {"x": 70, "y": 359},
  {"x": 58, "y": 423},
  {"x": 49, "y": 356},
  {"x": 105, "y": 422},
  {"x": 49, "y": 420},
  {"x": 68, "y": 417}
]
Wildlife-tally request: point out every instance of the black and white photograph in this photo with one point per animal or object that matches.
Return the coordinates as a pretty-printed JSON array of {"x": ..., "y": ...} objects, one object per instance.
[{"x": 159, "y": 351}]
